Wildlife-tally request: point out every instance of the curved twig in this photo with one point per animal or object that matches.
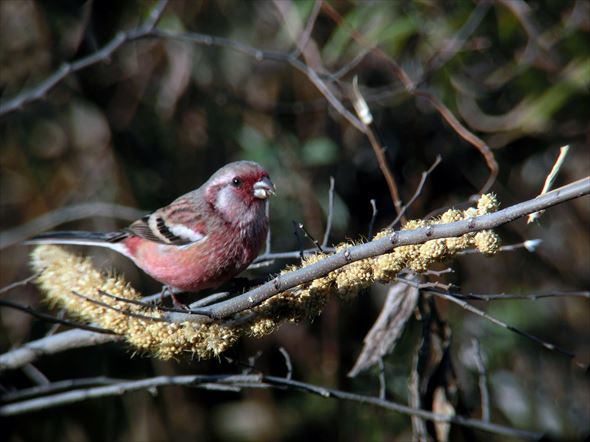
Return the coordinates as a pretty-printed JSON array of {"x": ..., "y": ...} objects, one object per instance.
[
  {"x": 253, "y": 381},
  {"x": 103, "y": 54}
]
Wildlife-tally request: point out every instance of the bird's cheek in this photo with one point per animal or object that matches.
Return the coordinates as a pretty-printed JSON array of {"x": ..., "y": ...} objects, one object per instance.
[
  {"x": 223, "y": 199},
  {"x": 230, "y": 202}
]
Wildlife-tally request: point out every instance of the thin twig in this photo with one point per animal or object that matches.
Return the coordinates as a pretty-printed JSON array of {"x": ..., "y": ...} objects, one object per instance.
[
  {"x": 269, "y": 233},
  {"x": 43, "y": 88},
  {"x": 248, "y": 381},
  {"x": 215, "y": 297},
  {"x": 523, "y": 13},
  {"x": 128, "y": 301},
  {"x": 330, "y": 216},
  {"x": 373, "y": 218},
  {"x": 251, "y": 365},
  {"x": 288, "y": 362},
  {"x": 467, "y": 135},
  {"x": 420, "y": 358},
  {"x": 483, "y": 383},
  {"x": 502, "y": 324},
  {"x": 263, "y": 263},
  {"x": 418, "y": 191},
  {"x": 260, "y": 55},
  {"x": 54, "y": 387},
  {"x": 455, "y": 44},
  {"x": 310, "y": 237},
  {"x": 364, "y": 113},
  {"x": 149, "y": 31},
  {"x": 52, "y": 319},
  {"x": 290, "y": 255},
  {"x": 20, "y": 283},
  {"x": 55, "y": 327},
  {"x": 350, "y": 65},
  {"x": 550, "y": 179},
  {"x": 306, "y": 34},
  {"x": 118, "y": 310},
  {"x": 298, "y": 238},
  {"x": 35, "y": 375},
  {"x": 382, "y": 380},
  {"x": 530, "y": 245},
  {"x": 160, "y": 308},
  {"x": 411, "y": 87},
  {"x": 529, "y": 296},
  {"x": 382, "y": 161},
  {"x": 438, "y": 272}
]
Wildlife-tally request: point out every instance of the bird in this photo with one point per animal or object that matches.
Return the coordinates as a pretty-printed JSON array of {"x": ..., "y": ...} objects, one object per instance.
[{"x": 198, "y": 241}]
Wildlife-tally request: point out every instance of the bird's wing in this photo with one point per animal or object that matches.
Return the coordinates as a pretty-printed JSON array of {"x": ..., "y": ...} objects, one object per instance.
[{"x": 177, "y": 224}]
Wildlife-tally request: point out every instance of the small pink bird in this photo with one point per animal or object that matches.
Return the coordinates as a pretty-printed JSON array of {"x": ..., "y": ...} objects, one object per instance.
[{"x": 200, "y": 240}]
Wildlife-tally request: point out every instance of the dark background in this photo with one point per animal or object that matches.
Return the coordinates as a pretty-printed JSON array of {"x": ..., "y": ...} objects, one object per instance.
[{"x": 161, "y": 116}]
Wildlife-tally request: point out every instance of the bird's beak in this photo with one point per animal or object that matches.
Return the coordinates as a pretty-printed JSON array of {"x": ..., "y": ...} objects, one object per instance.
[{"x": 263, "y": 189}]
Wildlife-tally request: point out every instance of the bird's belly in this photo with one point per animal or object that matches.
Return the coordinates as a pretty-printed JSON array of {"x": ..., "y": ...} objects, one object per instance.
[{"x": 193, "y": 268}]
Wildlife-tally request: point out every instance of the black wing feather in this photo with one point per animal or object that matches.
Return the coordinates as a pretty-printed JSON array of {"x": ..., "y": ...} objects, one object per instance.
[{"x": 142, "y": 229}]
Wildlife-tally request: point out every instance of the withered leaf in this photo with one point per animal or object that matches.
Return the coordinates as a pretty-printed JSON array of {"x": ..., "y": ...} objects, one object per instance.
[{"x": 381, "y": 339}]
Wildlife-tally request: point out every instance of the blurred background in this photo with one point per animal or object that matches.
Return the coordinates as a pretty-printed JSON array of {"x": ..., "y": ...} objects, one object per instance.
[{"x": 160, "y": 115}]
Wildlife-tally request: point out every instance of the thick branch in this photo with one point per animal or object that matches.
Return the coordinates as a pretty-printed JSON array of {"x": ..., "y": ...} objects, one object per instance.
[{"x": 381, "y": 246}]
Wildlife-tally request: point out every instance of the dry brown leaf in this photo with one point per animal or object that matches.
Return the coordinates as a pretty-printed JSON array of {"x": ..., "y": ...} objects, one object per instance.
[{"x": 381, "y": 339}]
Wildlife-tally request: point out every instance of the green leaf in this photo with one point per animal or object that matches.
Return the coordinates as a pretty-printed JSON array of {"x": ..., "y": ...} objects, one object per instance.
[{"x": 319, "y": 152}]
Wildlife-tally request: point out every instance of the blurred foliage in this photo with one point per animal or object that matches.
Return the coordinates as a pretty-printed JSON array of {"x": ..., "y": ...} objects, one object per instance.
[{"x": 162, "y": 115}]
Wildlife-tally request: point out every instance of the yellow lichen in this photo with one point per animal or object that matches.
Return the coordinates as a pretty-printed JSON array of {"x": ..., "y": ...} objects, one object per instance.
[
  {"x": 487, "y": 203},
  {"x": 450, "y": 216},
  {"x": 487, "y": 242}
]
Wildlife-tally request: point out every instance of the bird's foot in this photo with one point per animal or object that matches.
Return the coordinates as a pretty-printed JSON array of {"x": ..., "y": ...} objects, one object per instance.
[
  {"x": 177, "y": 304},
  {"x": 170, "y": 291}
]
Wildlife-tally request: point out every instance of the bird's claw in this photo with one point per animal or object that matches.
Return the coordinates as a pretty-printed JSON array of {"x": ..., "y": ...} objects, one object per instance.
[
  {"x": 177, "y": 304},
  {"x": 169, "y": 291}
]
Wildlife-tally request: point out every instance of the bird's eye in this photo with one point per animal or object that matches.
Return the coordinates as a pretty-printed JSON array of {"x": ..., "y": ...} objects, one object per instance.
[{"x": 236, "y": 182}]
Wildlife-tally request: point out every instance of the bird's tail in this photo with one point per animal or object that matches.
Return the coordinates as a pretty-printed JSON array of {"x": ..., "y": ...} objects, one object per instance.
[{"x": 110, "y": 240}]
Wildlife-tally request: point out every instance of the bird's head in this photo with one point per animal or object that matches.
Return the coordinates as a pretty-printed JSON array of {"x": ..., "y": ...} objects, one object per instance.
[{"x": 239, "y": 190}]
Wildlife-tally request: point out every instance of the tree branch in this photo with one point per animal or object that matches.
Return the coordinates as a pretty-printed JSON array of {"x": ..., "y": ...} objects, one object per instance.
[
  {"x": 254, "y": 381},
  {"x": 52, "y": 344},
  {"x": 102, "y": 54},
  {"x": 411, "y": 88},
  {"x": 52, "y": 319},
  {"x": 381, "y": 246}
]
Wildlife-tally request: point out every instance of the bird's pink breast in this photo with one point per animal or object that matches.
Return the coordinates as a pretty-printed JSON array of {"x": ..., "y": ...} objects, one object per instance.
[{"x": 206, "y": 264}]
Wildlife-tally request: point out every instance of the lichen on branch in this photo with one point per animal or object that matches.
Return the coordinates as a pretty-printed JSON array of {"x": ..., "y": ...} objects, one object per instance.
[{"x": 63, "y": 276}]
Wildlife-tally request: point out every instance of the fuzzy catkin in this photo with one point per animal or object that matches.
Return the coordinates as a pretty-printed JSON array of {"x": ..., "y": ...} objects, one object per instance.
[{"x": 63, "y": 274}]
